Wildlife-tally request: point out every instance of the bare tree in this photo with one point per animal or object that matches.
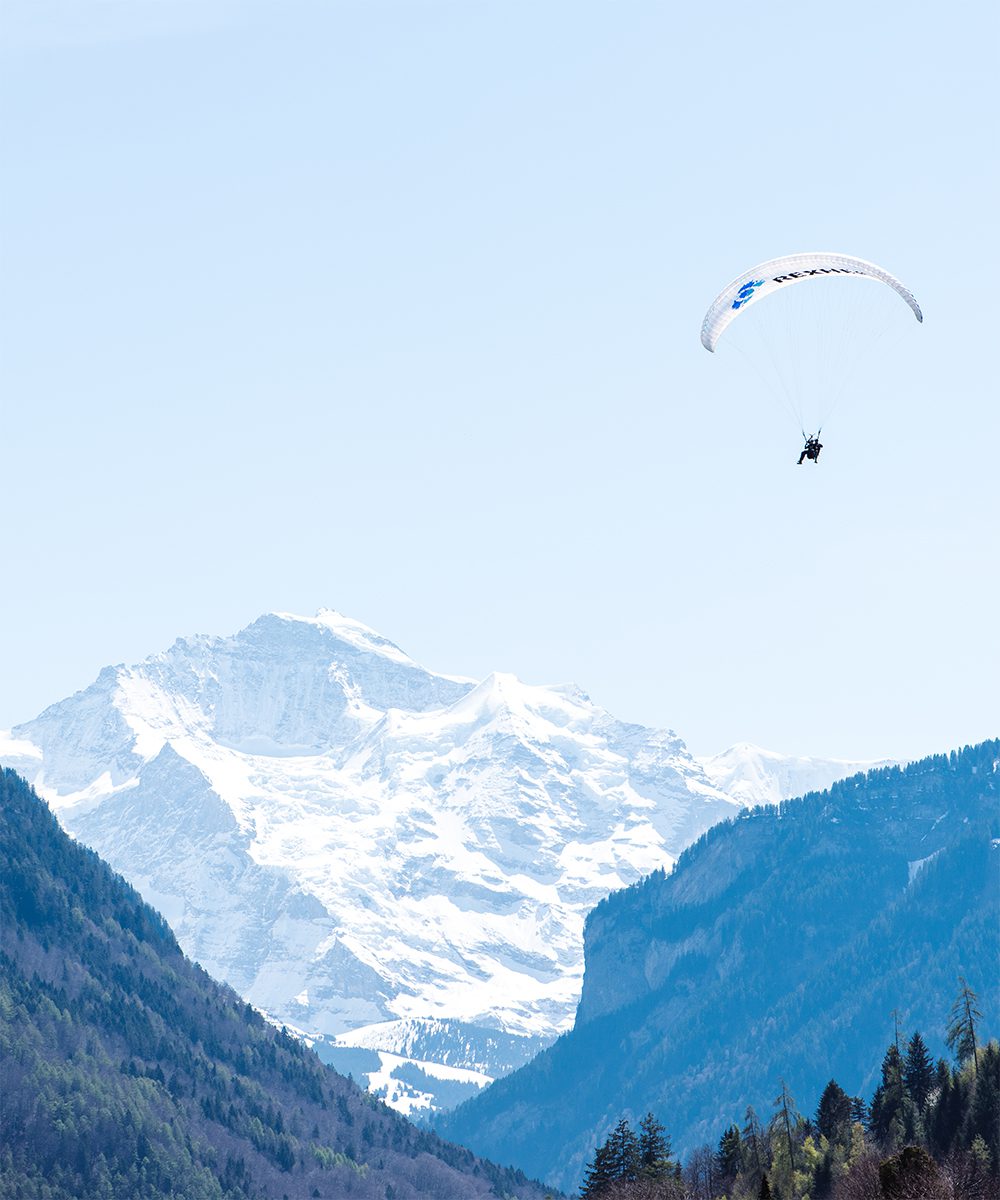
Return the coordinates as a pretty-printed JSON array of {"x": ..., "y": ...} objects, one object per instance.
[
  {"x": 969, "y": 1178},
  {"x": 643, "y": 1189},
  {"x": 701, "y": 1174},
  {"x": 861, "y": 1182},
  {"x": 913, "y": 1175}
]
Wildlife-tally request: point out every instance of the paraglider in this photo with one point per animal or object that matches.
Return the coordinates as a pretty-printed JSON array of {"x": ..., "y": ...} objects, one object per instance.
[
  {"x": 808, "y": 379},
  {"x": 811, "y": 449}
]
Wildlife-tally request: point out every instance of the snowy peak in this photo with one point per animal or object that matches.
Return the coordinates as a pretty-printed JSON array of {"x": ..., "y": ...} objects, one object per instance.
[
  {"x": 351, "y": 632},
  {"x": 754, "y": 776},
  {"x": 352, "y": 840},
  {"x": 288, "y": 684},
  {"x": 283, "y": 686},
  {"x": 362, "y": 638}
]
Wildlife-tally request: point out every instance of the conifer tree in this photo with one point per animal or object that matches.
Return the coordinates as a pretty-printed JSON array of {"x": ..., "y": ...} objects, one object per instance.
[
  {"x": 918, "y": 1072},
  {"x": 623, "y": 1148},
  {"x": 961, "y": 1035},
  {"x": 892, "y": 1119},
  {"x": 942, "y": 1075},
  {"x": 729, "y": 1156},
  {"x": 833, "y": 1117},
  {"x": 892, "y": 1067},
  {"x": 939, "y": 1130},
  {"x": 654, "y": 1149},
  {"x": 600, "y": 1175},
  {"x": 948, "y": 1110},
  {"x": 985, "y": 1115},
  {"x": 823, "y": 1178},
  {"x": 765, "y": 1189}
]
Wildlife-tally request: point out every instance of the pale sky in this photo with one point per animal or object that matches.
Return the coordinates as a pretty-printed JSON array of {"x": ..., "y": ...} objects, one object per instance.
[{"x": 393, "y": 307}]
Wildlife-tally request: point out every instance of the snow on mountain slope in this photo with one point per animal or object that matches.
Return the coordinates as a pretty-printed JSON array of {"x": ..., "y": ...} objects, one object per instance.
[
  {"x": 352, "y": 840},
  {"x": 450, "y": 1043},
  {"x": 755, "y": 776},
  {"x": 421, "y": 1066}
]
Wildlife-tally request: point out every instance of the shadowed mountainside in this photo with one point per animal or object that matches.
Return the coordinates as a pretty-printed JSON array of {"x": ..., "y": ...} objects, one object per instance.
[
  {"x": 776, "y": 949},
  {"x": 126, "y": 1070}
]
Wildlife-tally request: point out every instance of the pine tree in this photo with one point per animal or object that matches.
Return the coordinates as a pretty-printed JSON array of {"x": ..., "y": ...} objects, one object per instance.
[
  {"x": 918, "y": 1072},
  {"x": 823, "y": 1179},
  {"x": 893, "y": 1117},
  {"x": 623, "y": 1147},
  {"x": 600, "y": 1175},
  {"x": 947, "y": 1110},
  {"x": 654, "y": 1149},
  {"x": 833, "y": 1117},
  {"x": 892, "y": 1067},
  {"x": 729, "y": 1156},
  {"x": 961, "y": 1035},
  {"x": 895, "y": 1026},
  {"x": 765, "y": 1189},
  {"x": 985, "y": 1115}
]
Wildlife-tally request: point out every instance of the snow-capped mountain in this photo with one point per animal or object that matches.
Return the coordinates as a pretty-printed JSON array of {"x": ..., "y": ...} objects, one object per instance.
[
  {"x": 351, "y": 840},
  {"x": 755, "y": 776}
]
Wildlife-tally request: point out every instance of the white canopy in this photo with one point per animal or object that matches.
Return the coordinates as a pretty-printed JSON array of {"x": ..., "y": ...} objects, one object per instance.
[{"x": 779, "y": 272}]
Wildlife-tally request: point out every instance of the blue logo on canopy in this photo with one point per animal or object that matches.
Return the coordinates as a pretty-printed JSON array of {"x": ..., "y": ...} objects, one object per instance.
[{"x": 745, "y": 294}]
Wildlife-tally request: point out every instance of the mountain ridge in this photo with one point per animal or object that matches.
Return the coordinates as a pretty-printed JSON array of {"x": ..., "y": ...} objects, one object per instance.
[{"x": 777, "y": 947}]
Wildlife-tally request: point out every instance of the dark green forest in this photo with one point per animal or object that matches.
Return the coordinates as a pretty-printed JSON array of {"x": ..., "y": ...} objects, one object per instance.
[
  {"x": 126, "y": 1073},
  {"x": 931, "y": 1131}
]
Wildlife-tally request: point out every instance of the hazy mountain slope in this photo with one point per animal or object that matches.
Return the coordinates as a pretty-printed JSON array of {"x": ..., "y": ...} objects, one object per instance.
[
  {"x": 754, "y": 776},
  {"x": 350, "y": 839},
  {"x": 776, "y": 949},
  {"x": 125, "y": 1070}
]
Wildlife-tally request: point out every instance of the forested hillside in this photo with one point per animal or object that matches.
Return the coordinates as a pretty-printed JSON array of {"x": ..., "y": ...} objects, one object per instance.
[
  {"x": 931, "y": 1132},
  {"x": 125, "y": 1071},
  {"x": 778, "y": 948}
]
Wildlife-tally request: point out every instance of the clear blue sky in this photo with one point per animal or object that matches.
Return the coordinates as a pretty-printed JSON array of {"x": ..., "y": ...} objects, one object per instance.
[{"x": 393, "y": 307}]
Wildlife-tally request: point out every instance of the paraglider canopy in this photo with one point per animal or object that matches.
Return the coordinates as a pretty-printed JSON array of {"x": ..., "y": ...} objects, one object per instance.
[
  {"x": 807, "y": 345},
  {"x": 779, "y": 273}
]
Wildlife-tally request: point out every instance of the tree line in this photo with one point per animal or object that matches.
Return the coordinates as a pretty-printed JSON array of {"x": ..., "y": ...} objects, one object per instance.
[{"x": 931, "y": 1131}]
